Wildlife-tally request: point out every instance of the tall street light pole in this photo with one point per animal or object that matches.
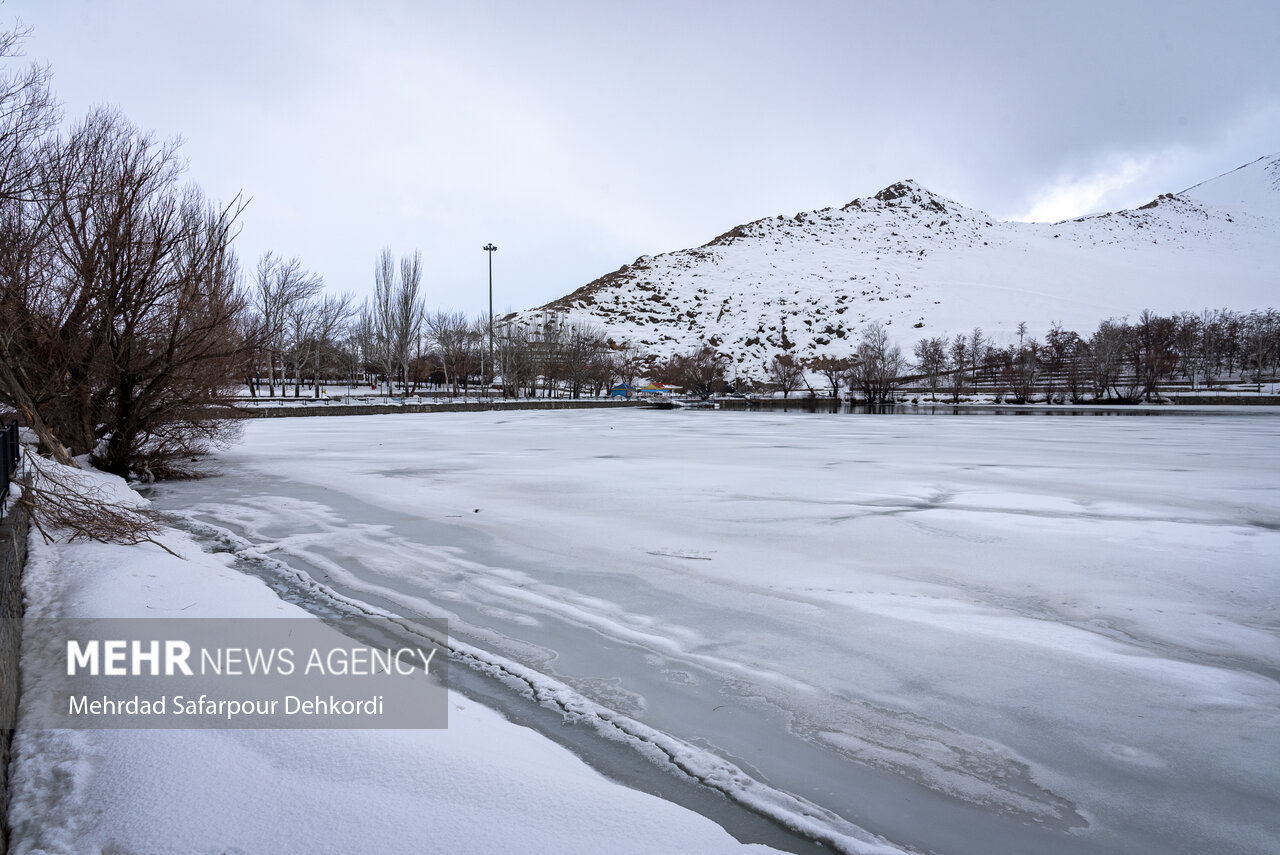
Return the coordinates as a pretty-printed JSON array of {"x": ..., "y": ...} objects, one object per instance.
[{"x": 490, "y": 249}]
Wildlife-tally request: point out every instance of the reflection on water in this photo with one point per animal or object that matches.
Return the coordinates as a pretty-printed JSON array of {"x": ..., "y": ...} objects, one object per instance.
[{"x": 940, "y": 408}]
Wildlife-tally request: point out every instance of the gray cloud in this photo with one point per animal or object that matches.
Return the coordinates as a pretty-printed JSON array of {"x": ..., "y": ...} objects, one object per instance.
[{"x": 578, "y": 136}]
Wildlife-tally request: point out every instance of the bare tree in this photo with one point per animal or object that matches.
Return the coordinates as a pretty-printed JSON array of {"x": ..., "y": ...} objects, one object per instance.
[
  {"x": 1079, "y": 362},
  {"x": 124, "y": 289},
  {"x": 329, "y": 316},
  {"x": 959, "y": 365},
  {"x": 785, "y": 373},
  {"x": 384, "y": 315},
  {"x": 361, "y": 342},
  {"x": 410, "y": 311},
  {"x": 627, "y": 360},
  {"x": 878, "y": 366},
  {"x": 1060, "y": 346},
  {"x": 833, "y": 368},
  {"x": 270, "y": 313},
  {"x": 398, "y": 312},
  {"x": 1109, "y": 347},
  {"x": 300, "y": 320},
  {"x": 281, "y": 293},
  {"x": 452, "y": 336},
  {"x": 548, "y": 339},
  {"x": 28, "y": 114},
  {"x": 931, "y": 358},
  {"x": 700, "y": 372},
  {"x": 978, "y": 346},
  {"x": 1207, "y": 352},
  {"x": 1260, "y": 344},
  {"x": 122, "y": 322},
  {"x": 511, "y": 352},
  {"x": 581, "y": 348},
  {"x": 1024, "y": 370},
  {"x": 1152, "y": 352}
]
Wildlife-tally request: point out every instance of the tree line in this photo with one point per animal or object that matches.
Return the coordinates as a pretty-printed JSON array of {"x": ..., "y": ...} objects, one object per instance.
[
  {"x": 393, "y": 343},
  {"x": 1119, "y": 362}
]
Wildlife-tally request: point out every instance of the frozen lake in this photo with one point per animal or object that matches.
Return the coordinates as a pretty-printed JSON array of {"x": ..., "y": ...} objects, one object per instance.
[{"x": 963, "y": 635}]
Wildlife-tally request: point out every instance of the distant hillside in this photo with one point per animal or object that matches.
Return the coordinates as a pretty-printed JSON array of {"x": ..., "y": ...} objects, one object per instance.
[{"x": 927, "y": 265}]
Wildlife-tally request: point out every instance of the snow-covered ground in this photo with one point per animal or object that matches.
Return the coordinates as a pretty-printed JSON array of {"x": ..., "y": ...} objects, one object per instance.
[
  {"x": 483, "y": 785},
  {"x": 963, "y": 635}
]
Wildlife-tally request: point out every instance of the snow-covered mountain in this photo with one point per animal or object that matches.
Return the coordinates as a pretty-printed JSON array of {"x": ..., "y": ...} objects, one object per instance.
[{"x": 926, "y": 265}]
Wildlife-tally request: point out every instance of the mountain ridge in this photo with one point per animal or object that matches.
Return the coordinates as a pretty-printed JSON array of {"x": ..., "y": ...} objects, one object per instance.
[{"x": 924, "y": 264}]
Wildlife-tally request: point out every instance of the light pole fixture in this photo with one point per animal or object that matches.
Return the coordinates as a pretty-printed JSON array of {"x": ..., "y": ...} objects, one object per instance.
[{"x": 490, "y": 249}]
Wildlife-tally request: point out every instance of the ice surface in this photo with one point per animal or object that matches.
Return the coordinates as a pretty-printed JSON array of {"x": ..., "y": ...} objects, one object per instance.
[
  {"x": 971, "y": 634},
  {"x": 484, "y": 785}
]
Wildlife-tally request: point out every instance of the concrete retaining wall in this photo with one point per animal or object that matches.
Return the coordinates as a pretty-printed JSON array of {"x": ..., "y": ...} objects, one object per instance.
[
  {"x": 13, "y": 557},
  {"x": 1241, "y": 400},
  {"x": 270, "y": 412},
  {"x": 825, "y": 405}
]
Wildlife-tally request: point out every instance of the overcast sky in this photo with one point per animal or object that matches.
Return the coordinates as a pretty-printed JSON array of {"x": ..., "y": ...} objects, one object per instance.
[{"x": 578, "y": 136}]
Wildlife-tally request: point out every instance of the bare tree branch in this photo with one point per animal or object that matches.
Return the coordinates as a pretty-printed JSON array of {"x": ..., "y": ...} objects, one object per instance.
[{"x": 62, "y": 501}]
